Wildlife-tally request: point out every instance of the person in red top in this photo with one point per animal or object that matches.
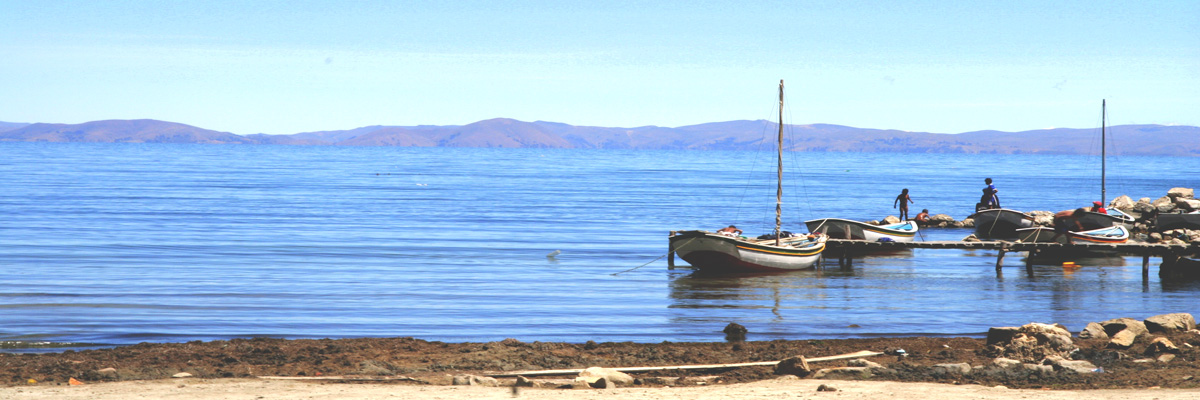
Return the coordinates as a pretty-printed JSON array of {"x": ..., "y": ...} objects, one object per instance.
[{"x": 1098, "y": 207}]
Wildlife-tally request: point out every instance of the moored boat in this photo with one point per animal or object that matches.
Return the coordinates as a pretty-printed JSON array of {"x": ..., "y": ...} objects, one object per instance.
[
  {"x": 1165, "y": 222},
  {"x": 733, "y": 253},
  {"x": 1039, "y": 234},
  {"x": 838, "y": 228},
  {"x": 1094, "y": 220},
  {"x": 709, "y": 251},
  {"x": 1112, "y": 234},
  {"x": 1000, "y": 223}
]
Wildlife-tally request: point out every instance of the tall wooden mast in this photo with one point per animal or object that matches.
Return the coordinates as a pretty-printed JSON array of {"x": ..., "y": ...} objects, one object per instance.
[
  {"x": 1103, "y": 148},
  {"x": 779, "y": 175}
]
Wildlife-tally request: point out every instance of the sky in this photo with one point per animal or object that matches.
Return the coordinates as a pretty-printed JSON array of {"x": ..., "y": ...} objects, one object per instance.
[{"x": 283, "y": 67}]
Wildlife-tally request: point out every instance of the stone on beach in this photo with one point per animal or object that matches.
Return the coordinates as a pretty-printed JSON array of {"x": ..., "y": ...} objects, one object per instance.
[
  {"x": 1170, "y": 322},
  {"x": 1123, "y": 339},
  {"x": 610, "y": 374},
  {"x": 1031, "y": 342},
  {"x": 1161, "y": 345},
  {"x": 797, "y": 366},
  {"x": 1114, "y": 326},
  {"x": 474, "y": 380},
  {"x": 1093, "y": 331}
]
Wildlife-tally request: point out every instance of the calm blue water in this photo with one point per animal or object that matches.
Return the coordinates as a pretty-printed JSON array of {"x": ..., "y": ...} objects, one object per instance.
[{"x": 112, "y": 244}]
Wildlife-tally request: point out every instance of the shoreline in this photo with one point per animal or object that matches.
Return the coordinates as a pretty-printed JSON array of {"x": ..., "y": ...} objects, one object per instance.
[
  {"x": 201, "y": 389},
  {"x": 436, "y": 364}
]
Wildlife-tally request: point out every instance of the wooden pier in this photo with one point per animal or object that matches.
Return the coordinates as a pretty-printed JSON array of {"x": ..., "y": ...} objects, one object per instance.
[{"x": 846, "y": 250}]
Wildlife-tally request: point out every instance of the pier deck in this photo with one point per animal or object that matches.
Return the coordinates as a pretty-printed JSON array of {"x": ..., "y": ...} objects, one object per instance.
[{"x": 846, "y": 250}]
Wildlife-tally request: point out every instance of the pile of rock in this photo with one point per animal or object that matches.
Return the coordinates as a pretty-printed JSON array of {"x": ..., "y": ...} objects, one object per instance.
[
  {"x": 935, "y": 221},
  {"x": 1037, "y": 349},
  {"x": 1176, "y": 200},
  {"x": 1121, "y": 333}
]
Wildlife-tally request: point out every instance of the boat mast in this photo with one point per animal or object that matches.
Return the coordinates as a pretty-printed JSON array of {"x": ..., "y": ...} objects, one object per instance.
[
  {"x": 779, "y": 175},
  {"x": 1103, "y": 155}
]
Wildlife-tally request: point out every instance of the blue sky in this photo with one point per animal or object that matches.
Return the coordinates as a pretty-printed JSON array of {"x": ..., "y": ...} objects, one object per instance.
[{"x": 282, "y": 67}]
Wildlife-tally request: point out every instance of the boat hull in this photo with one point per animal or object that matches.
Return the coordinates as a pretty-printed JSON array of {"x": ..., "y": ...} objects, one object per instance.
[
  {"x": 837, "y": 228},
  {"x": 1039, "y": 234},
  {"x": 1094, "y": 220},
  {"x": 1177, "y": 221},
  {"x": 1114, "y": 234},
  {"x": 1000, "y": 223},
  {"x": 718, "y": 253}
]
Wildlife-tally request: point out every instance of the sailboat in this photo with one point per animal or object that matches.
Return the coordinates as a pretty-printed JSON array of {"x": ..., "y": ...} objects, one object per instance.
[
  {"x": 1094, "y": 220},
  {"x": 711, "y": 251}
]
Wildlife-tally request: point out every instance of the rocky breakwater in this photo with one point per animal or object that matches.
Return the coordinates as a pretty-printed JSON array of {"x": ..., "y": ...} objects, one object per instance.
[
  {"x": 1145, "y": 211},
  {"x": 935, "y": 221},
  {"x": 1038, "y": 353}
]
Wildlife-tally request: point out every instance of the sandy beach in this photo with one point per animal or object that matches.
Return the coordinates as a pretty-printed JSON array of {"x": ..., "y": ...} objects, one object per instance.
[{"x": 205, "y": 389}]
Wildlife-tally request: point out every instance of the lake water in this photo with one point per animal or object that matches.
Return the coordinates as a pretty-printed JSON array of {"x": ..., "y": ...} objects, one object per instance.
[{"x": 114, "y": 244}]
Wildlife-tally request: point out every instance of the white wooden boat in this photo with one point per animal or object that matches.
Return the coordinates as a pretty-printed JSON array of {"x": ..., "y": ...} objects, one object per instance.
[
  {"x": 717, "y": 252},
  {"x": 709, "y": 251},
  {"x": 838, "y": 228},
  {"x": 1042, "y": 234},
  {"x": 1000, "y": 223},
  {"x": 1112, "y": 234}
]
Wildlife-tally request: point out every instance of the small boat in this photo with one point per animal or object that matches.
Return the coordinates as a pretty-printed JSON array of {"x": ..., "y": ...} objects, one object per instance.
[
  {"x": 714, "y": 252},
  {"x": 1000, "y": 223},
  {"x": 1095, "y": 220},
  {"x": 1112, "y": 234},
  {"x": 724, "y": 253},
  {"x": 1165, "y": 222},
  {"x": 1042, "y": 234},
  {"x": 837, "y": 228}
]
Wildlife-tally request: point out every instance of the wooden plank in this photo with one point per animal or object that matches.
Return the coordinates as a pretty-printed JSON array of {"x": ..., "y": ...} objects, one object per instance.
[{"x": 860, "y": 354}]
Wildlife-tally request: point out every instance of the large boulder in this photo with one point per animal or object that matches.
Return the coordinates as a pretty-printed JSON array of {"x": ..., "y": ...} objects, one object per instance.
[
  {"x": 1031, "y": 342},
  {"x": 1123, "y": 203},
  {"x": 936, "y": 218},
  {"x": 1093, "y": 331},
  {"x": 1161, "y": 345},
  {"x": 797, "y": 366},
  {"x": 1114, "y": 326},
  {"x": 1123, "y": 339},
  {"x": 1070, "y": 366},
  {"x": 1144, "y": 208},
  {"x": 1181, "y": 193},
  {"x": 891, "y": 219},
  {"x": 1164, "y": 204},
  {"x": 1170, "y": 322},
  {"x": 1002, "y": 334},
  {"x": 1187, "y": 204}
]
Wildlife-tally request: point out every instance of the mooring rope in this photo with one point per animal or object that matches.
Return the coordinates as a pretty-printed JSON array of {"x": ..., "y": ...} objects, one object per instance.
[{"x": 652, "y": 261}]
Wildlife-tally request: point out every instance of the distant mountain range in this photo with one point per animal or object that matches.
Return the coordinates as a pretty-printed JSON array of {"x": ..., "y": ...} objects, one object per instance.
[{"x": 733, "y": 135}]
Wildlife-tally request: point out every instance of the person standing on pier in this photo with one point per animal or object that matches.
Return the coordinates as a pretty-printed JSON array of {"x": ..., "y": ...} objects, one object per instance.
[{"x": 903, "y": 201}]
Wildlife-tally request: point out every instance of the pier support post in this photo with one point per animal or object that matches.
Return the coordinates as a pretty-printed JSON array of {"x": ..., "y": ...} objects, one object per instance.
[
  {"x": 1000, "y": 258},
  {"x": 671, "y": 255},
  {"x": 1145, "y": 266}
]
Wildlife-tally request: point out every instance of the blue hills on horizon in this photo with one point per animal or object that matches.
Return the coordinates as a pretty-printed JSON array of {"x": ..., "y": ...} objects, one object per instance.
[{"x": 1150, "y": 140}]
